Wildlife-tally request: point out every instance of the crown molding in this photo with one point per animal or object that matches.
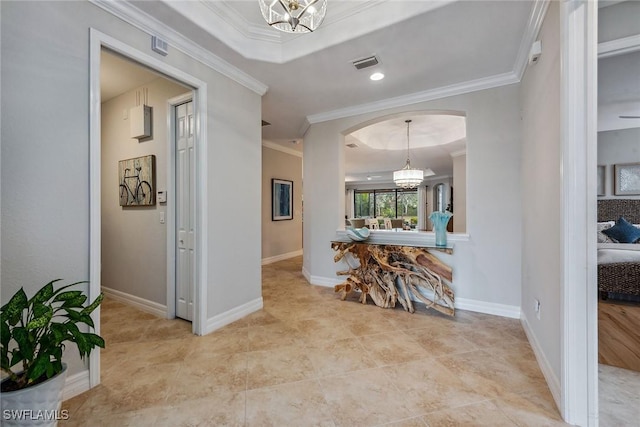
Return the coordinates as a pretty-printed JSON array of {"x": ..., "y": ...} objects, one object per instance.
[
  {"x": 536, "y": 18},
  {"x": 619, "y": 46},
  {"x": 534, "y": 24},
  {"x": 345, "y": 21},
  {"x": 458, "y": 153},
  {"x": 230, "y": 27},
  {"x": 243, "y": 26},
  {"x": 150, "y": 25},
  {"x": 417, "y": 97},
  {"x": 279, "y": 147}
]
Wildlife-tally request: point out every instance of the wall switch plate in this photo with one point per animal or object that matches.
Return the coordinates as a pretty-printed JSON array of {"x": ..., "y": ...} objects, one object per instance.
[
  {"x": 537, "y": 308},
  {"x": 162, "y": 197},
  {"x": 161, "y": 217}
]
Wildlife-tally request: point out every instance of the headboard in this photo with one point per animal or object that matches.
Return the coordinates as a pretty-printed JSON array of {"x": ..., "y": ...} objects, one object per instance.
[{"x": 612, "y": 209}]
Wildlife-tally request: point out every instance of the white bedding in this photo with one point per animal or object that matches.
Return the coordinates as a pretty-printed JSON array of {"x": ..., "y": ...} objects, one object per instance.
[{"x": 618, "y": 252}]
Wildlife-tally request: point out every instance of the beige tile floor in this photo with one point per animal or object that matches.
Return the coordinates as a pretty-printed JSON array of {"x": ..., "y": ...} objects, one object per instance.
[{"x": 309, "y": 359}]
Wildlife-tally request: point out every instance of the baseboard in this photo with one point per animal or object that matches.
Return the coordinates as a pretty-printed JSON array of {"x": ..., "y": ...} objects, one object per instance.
[
  {"x": 552, "y": 381},
  {"x": 76, "y": 384},
  {"x": 306, "y": 274},
  {"x": 137, "y": 302},
  {"x": 281, "y": 257},
  {"x": 328, "y": 282},
  {"x": 230, "y": 316},
  {"x": 512, "y": 311}
]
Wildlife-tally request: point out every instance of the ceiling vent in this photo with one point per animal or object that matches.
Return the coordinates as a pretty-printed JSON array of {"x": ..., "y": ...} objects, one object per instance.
[
  {"x": 352, "y": 145},
  {"x": 365, "y": 63}
]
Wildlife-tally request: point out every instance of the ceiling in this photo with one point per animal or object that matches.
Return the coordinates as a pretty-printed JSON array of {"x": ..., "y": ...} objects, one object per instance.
[
  {"x": 421, "y": 45},
  {"x": 424, "y": 48},
  {"x": 119, "y": 75},
  {"x": 381, "y": 148}
]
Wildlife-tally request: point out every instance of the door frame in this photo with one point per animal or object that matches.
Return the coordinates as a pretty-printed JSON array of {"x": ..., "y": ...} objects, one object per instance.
[
  {"x": 171, "y": 201},
  {"x": 579, "y": 329},
  {"x": 97, "y": 41}
]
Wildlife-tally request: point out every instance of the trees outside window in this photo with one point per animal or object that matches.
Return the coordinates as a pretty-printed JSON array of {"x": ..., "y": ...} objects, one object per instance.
[{"x": 387, "y": 203}]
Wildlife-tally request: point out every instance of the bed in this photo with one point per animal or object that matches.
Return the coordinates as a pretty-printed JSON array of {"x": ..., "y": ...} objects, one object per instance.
[{"x": 618, "y": 263}]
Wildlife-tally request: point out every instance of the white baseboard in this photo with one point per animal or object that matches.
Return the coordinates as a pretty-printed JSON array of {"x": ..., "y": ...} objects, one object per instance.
[
  {"x": 328, "y": 282},
  {"x": 512, "y": 311},
  {"x": 552, "y": 381},
  {"x": 140, "y": 303},
  {"x": 75, "y": 385},
  {"x": 281, "y": 257},
  {"x": 230, "y": 316},
  {"x": 306, "y": 274},
  {"x": 496, "y": 309}
]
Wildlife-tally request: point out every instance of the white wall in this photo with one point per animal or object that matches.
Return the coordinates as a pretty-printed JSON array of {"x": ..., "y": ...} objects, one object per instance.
[
  {"x": 280, "y": 238},
  {"x": 133, "y": 236},
  {"x": 541, "y": 209},
  {"x": 45, "y": 155},
  {"x": 617, "y": 147},
  {"x": 460, "y": 194},
  {"x": 487, "y": 267}
]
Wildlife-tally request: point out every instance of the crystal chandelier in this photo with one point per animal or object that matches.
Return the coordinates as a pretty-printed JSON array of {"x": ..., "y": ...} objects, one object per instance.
[
  {"x": 294, "y": 16},
  {"x": 407, "y": 177}
]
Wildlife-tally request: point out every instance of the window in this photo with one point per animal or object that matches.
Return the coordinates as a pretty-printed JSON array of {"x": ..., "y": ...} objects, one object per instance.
[
  {"x": 363, "y": 203},
  {"x": 392, "y": 203}
]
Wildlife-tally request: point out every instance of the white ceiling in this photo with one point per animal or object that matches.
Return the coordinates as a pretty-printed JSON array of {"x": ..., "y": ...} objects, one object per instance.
[
  {"x": 119, "y": 75},
  {"x": 382, "y": 147},
  {"x": 424, "y": 47}
]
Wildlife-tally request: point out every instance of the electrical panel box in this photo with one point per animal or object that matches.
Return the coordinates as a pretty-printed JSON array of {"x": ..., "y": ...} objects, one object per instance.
[{"x": 140, "y": 120}]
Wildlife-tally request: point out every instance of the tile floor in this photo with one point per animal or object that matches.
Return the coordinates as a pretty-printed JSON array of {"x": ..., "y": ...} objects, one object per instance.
[
  {"x": 309, "y": 359},
  {"x": 619, "y": 396}
]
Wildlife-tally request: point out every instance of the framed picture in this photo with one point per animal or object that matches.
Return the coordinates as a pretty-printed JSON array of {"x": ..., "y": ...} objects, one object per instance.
[
  {"x": 627, "y": 179},
  {"x": 281, "y": 199},
  {"x": 137, "y": 181},
  {"x": 601, "y": 179}
]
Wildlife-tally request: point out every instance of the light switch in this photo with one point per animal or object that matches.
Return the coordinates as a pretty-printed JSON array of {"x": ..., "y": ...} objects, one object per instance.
[{"x": 161, "y": 217}]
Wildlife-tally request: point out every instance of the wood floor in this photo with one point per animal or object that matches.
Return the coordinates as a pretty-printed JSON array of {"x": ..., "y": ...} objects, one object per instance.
[{"x": 619, "y": 334}]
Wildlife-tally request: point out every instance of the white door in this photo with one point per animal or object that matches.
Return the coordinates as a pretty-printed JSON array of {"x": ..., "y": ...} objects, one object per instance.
[{"x": 185, "y": 211}]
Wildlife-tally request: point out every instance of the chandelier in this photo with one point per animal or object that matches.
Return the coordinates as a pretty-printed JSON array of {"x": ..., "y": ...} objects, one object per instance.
[
  {"x": 407, "y": 177},
  {"x": 294, "y": 16}
]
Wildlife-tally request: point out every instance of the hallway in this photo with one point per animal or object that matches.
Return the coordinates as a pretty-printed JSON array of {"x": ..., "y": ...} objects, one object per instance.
[{"x": 308, "y": 358}]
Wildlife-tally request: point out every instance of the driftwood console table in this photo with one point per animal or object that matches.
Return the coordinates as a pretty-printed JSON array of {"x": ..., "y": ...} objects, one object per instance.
[{"x": 392, "y": 273}]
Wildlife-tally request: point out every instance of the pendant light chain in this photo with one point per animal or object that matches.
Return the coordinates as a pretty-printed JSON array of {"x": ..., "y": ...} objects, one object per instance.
[
  {"x": 408, "y": 122},
  {"x": 407, "y": 177}
]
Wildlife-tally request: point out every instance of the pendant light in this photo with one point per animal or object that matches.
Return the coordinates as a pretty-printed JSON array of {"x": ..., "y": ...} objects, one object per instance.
[
  {"x": 294, "y": 16},
  {"x": 407, "y": 177}
]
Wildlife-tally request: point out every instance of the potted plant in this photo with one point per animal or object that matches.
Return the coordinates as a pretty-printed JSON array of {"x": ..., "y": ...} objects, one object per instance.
[{"x": 33, "y": 336}]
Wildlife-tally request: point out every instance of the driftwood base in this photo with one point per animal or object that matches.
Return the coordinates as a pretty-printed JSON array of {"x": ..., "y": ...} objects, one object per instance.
[{"x": 388, "y": 274}]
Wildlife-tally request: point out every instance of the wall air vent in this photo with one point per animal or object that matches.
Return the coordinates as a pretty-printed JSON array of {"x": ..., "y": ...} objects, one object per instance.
[
  {"x": 352, "y": 145},
  {"x": 160, "y": 46},
  {"x": 365, "y": 62}
]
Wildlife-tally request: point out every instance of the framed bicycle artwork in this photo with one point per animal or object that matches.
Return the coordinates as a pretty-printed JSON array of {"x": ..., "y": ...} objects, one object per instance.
[
  {"x": 281, "y": 199},
  {"x": 137, "y": 179}
]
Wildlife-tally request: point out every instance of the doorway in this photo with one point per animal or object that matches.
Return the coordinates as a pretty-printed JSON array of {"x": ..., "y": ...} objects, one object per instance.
[
  {"x": 134, "y": 250},
  {"x": 98, "y": 42}
]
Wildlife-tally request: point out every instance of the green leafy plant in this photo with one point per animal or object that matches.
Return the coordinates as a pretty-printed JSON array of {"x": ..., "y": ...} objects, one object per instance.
[{"x": 33, "y": 333}]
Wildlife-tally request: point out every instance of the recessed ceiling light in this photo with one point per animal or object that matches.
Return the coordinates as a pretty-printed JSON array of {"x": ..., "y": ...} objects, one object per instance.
[{"x": 376, "y": 76}]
